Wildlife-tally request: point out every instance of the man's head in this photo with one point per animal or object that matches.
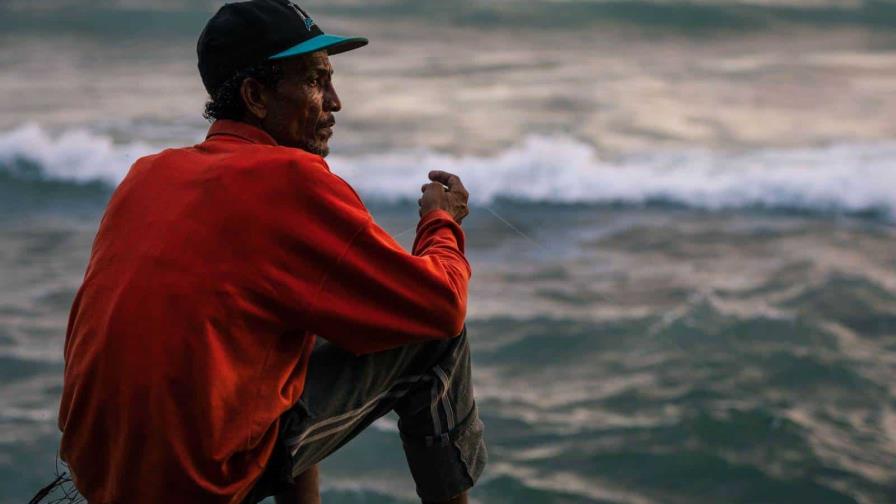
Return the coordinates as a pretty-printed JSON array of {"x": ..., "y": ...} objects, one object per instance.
[
  {"x": 292, "y": 99},
  {"x": 266, "y": 62}
]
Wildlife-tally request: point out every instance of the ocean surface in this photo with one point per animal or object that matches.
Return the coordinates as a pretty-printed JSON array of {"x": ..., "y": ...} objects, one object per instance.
[{"x": 682, "y": 228}]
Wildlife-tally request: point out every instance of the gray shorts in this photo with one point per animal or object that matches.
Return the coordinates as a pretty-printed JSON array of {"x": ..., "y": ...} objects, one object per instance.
[{"x": 427, "y": 384}]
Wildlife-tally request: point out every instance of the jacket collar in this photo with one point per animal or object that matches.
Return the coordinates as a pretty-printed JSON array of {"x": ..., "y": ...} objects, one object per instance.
[{"x": 240, "y": 130}]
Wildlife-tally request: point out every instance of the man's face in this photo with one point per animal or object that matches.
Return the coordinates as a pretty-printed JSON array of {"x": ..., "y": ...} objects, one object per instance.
[{"x": 300, "y": 109}]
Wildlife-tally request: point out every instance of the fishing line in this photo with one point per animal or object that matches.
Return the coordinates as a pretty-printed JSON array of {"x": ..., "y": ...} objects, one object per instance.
[
  {"x": 516, "y": 229},
  {"x": 601, "y": 295},
  {"x": 406, "y": 231},
  {"x": 502, "y": 219}
]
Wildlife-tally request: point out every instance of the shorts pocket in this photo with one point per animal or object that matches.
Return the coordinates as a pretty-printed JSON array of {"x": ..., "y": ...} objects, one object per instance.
[
  {"x": 470, "y": 443},
  {"x": 444, "y": 466}
]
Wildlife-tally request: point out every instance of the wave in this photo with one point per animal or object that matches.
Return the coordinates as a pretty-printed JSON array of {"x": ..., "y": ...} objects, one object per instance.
[
  {"x": 844, "y": 178},
  {"x": 851, "y": 178},
  {"x": 76, "y": 156}
]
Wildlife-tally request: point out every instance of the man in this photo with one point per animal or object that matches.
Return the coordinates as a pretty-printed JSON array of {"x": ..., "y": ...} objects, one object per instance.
[{"x": 242, "y": 316}]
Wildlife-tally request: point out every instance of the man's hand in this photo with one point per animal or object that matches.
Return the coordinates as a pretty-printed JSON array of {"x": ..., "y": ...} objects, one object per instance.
[{"x": 445, "y": 192}]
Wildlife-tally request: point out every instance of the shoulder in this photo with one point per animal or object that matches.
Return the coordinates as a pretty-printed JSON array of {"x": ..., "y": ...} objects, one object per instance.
[
  {"x": 302, "y": 168},
  {"x": 296, "y": 162},
  {"x": 301, "y": 177}
]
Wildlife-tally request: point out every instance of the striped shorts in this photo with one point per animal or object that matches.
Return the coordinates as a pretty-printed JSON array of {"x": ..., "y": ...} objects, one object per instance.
[{"x": 427, "y": 384}]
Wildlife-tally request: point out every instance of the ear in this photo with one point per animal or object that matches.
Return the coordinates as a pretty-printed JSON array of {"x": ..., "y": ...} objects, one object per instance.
[{"x": 254, "y": 98}]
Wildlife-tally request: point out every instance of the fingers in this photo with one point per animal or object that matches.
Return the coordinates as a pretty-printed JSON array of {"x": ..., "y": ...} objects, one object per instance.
[
  {"x": 445, "y": 178},
  {"x": 449, "y": 179},
  {"x": 445, "y": 192}
]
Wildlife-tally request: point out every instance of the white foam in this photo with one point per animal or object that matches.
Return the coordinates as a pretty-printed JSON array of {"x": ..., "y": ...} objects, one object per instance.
[
  {"x": 837, "y": 178},
  {"x": 75, "y": 155},
  {"x": 556, "y": 169}
]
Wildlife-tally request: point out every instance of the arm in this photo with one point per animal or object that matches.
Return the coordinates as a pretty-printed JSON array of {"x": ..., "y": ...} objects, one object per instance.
[
  {"x": 378, "y": 296},
  {"x": 365, "y": 292}
]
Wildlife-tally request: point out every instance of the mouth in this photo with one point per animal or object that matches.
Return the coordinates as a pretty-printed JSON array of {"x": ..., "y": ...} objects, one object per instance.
[{"x": 326, "y": 128}]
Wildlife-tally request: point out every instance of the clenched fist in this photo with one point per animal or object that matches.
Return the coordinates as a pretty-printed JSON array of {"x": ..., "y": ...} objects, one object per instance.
[{"x": 445, "y": 192}]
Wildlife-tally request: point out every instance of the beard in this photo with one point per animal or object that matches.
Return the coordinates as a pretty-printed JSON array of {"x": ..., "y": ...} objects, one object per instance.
[{"x": 315, "y": 146}]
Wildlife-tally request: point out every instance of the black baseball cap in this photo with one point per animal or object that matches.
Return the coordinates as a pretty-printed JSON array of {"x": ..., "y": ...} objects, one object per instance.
[{"x": 243, "y": 34}]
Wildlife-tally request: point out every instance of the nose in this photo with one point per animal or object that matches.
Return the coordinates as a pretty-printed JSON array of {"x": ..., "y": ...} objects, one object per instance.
[{"x": 331, "y": 99}]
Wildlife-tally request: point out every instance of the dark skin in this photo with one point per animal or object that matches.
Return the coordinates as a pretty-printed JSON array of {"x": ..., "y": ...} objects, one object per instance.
[{"x": 299, "y": 112}]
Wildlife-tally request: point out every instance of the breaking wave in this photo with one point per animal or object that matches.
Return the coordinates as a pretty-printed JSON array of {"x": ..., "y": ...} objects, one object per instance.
[{"x": 843, "y": 178}]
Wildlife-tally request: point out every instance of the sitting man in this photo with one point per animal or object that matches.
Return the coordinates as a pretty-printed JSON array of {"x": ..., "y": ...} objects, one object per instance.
[{"x": 242, "y": 315}]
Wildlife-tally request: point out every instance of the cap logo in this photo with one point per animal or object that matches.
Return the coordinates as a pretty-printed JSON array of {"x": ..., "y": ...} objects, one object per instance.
[{"x": 302, "y": 15}]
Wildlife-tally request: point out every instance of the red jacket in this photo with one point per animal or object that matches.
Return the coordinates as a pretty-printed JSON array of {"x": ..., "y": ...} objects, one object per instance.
[{"x": 213, "y": 268}]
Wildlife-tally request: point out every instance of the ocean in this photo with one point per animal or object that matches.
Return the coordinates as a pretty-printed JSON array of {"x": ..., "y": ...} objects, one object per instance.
[{"x": 682, "y": 228}]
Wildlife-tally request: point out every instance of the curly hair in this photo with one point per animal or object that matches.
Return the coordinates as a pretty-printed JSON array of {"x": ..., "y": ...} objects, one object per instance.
[{"x": 227, "y": 102}]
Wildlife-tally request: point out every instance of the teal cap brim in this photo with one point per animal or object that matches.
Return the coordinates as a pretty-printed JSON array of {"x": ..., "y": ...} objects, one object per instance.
[{"x": 334, "y": 44}]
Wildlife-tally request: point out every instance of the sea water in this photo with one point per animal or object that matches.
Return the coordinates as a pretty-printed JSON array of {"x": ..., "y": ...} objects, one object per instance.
[{"x": 682, "y": 233}]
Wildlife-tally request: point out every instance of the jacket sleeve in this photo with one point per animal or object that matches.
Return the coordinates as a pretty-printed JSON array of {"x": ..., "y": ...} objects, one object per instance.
[{"x": 373, "y": 295}]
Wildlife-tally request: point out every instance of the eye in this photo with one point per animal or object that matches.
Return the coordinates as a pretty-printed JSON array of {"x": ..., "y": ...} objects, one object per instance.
[{"x": 317, "y": 81}]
